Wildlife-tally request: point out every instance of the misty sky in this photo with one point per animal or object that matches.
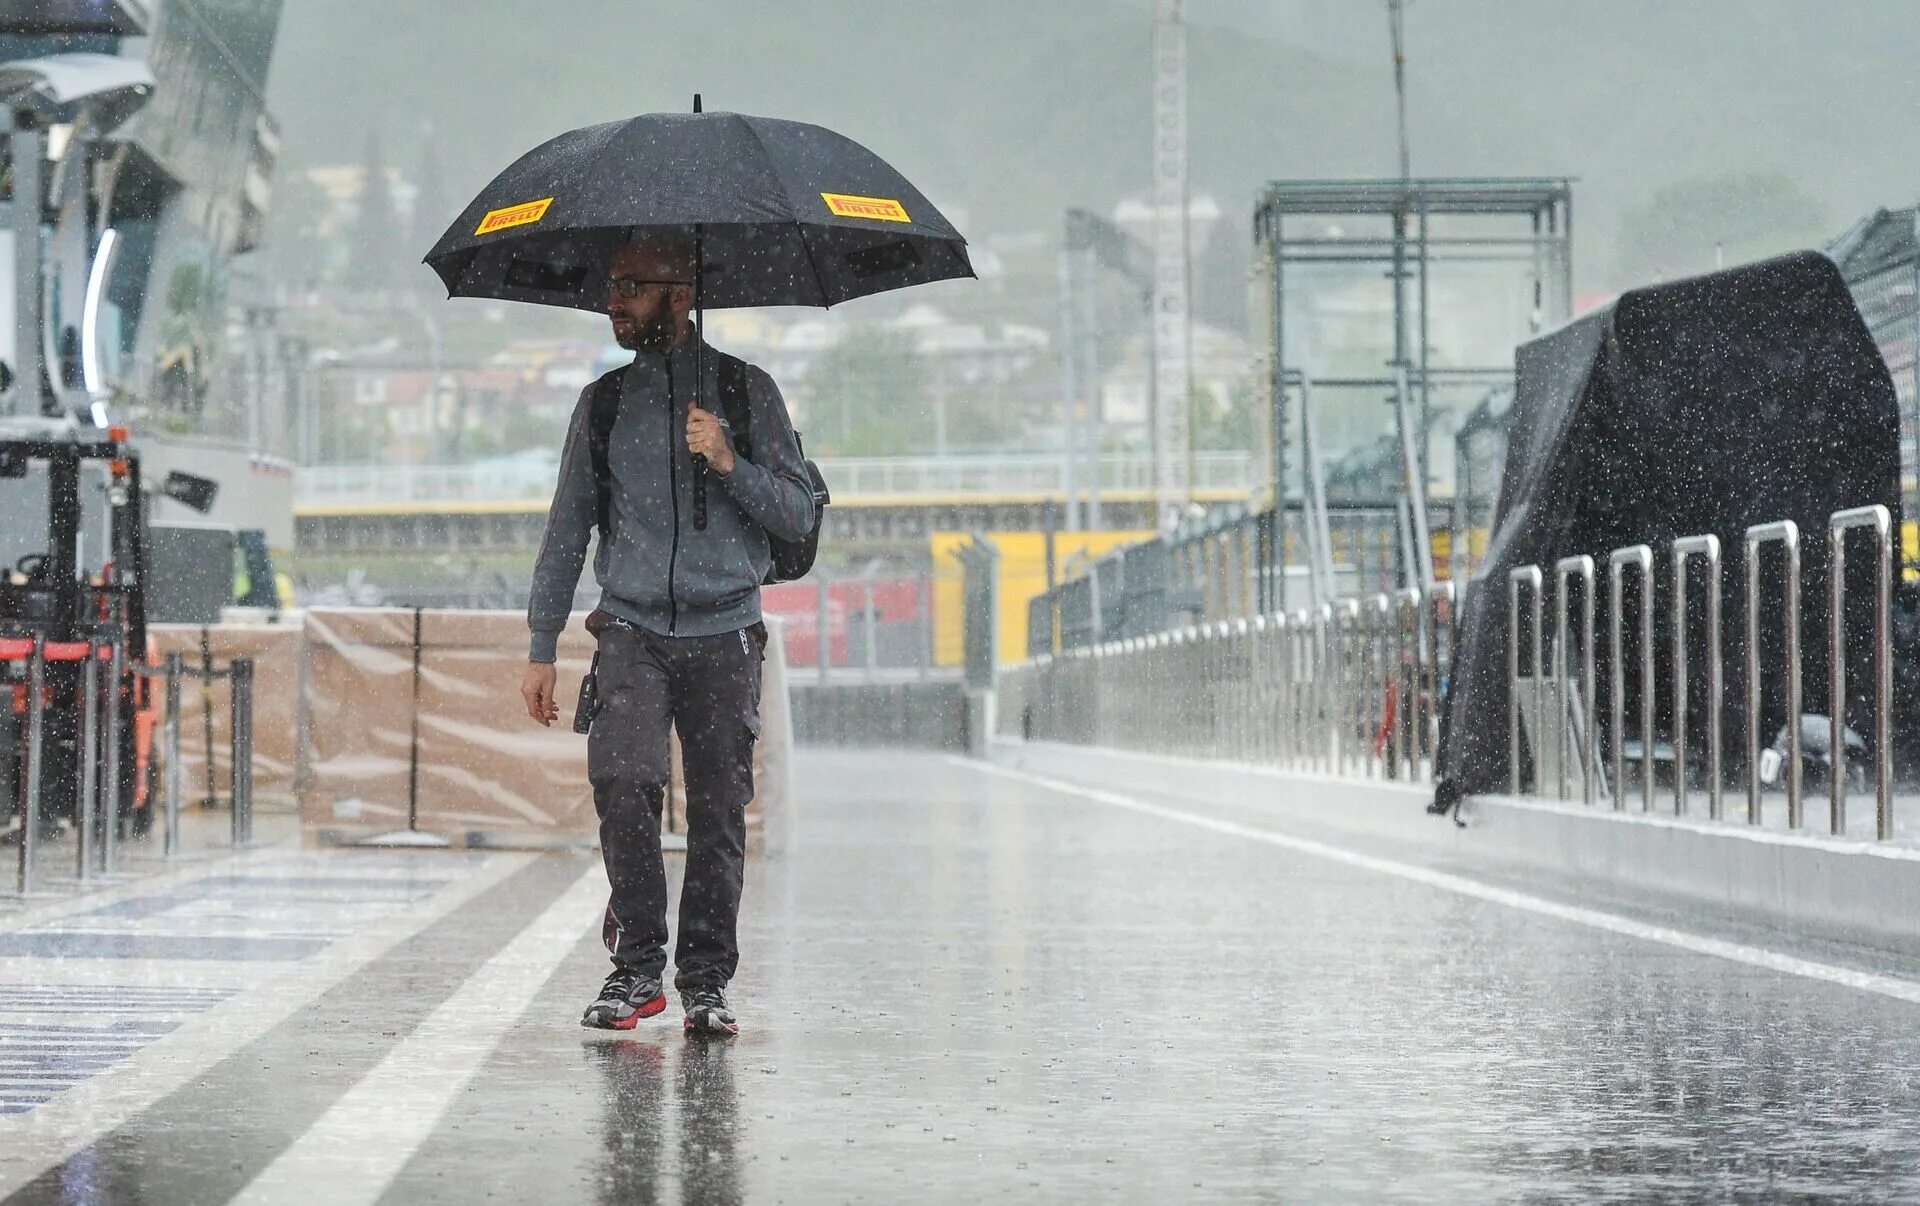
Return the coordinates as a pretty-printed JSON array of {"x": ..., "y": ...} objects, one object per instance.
[{"x": 1011, "y": 111}]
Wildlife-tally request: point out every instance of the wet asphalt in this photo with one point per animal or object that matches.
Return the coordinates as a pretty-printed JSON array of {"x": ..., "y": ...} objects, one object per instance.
[{"x": 959, "y": 986}]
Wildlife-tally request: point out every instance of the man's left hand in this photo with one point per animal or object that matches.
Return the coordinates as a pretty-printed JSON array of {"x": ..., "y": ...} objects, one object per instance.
[{"x": 706, "y": 437}]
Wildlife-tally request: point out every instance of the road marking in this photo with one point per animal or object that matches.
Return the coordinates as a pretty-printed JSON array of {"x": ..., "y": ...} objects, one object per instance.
[
  {"x": 1736, "y": 952},
  {"x": 35, "y": 1141},
  {"x": 354, "y": 1151}
]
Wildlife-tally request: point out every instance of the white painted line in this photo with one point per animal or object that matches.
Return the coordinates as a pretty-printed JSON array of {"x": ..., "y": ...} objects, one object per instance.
[
  {"x": 1752, "y": 956},
  {"x": 354, "y": 1151},
  {"x": 36, "y": 1140}
]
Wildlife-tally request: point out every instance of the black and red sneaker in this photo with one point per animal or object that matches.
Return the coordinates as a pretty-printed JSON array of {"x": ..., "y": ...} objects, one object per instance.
[
  {"x": 624, "y": 999},
  {"x": 707, "y": 1012}
]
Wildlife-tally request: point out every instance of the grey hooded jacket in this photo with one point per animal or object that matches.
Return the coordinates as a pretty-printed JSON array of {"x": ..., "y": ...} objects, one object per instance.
[{"x": 658, "y": 572}]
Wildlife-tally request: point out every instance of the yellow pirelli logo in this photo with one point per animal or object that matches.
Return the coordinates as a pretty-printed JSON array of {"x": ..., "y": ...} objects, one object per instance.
[
  {"x": 514, "y": 215},
  {"x": 881, "y": 209}
]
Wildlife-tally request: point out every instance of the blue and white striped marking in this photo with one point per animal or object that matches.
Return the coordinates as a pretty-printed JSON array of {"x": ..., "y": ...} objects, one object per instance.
[{"x": 56, "y": 1036}]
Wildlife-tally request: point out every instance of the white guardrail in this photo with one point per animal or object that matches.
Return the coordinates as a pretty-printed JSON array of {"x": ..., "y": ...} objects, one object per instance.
[{"x": 531, "y": 479}]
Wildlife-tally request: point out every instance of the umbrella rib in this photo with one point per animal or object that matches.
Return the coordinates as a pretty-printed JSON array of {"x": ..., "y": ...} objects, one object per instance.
[{"x": 799, "y": 230}]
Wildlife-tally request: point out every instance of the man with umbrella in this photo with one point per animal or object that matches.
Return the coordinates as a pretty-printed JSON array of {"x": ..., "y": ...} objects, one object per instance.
[
  {"x": 679, "y": 630},
  {"x": 649, "y": 220}
]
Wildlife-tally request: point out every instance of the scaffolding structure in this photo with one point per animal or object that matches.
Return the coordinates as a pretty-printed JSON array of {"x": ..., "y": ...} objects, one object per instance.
[{"x": 1324, "y": 246}]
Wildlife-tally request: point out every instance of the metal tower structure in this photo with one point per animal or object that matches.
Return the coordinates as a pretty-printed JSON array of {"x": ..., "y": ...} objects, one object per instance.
[{"x": 1172, "y": 335}]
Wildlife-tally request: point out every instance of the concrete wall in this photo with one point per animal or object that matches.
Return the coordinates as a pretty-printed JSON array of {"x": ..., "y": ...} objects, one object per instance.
[
  {"x": 916, "y": 715},
  {"x": 1854, "y": 891}
]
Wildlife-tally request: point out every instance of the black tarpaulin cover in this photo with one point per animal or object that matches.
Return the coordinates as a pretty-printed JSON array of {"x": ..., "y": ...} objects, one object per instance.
[{"x": 1704, "y": 405}]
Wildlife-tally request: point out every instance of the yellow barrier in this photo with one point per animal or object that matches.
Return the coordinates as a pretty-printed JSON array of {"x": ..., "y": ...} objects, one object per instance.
[{"x": 1023, "y": 576}]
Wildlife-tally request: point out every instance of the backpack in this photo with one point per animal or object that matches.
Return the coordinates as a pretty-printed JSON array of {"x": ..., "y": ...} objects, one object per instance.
[{"x": 791, "y": 559}]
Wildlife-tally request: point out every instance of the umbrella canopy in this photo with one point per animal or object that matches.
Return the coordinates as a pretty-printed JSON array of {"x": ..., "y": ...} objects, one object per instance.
[{"x": 790, "y": 215}]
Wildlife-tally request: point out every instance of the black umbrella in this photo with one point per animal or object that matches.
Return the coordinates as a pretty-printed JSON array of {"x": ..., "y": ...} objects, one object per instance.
[
  {"x": 788, "y": 214},
  {"x": 781, "y": 213}
]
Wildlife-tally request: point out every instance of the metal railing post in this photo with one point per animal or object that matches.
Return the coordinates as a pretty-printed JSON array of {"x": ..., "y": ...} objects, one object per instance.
[
  {"x": 110, "y": 822},
  {"x": 1300, "y": 642},
  {"x": 1263, "y": 676},
  {"x": 1880, "y": 520},
  {"x": 1564, "y": 570},
  {"x": 1529, "y": 576},
  {"x": 240, "y": 681},
  {"x": 1640, "y": 557},
  {"x": 1280, "y": 651},
  {"x": 1786, "y": 533},
  {"x": 1342, "y": 630},
  {"x": 1374, "y": 729},
  {"x": 36, "y": 763},
  {"x": 171, "y": 751},
  {"x": 1406, "y": 721},
  {"x": 1685, "y": 548},
  {"x": 89, "y": 754},
  {"x": 1441, "y": 593},
  {"x": 1320, "y": 692}
]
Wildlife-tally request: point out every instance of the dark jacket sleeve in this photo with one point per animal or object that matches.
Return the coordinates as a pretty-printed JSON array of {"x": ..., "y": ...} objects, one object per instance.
[
  {"x": 563, "y": 550},
  {"x": 773, "y": 488}
]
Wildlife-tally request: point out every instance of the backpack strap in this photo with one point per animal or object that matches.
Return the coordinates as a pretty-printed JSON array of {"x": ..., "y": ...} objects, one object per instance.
[
  {"x": 735, "y": 406},
  {"x": 602, "y": 409}
]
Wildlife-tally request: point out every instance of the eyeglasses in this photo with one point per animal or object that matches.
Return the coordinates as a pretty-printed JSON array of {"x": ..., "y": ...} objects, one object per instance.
[{"x": 629, "y": 287}]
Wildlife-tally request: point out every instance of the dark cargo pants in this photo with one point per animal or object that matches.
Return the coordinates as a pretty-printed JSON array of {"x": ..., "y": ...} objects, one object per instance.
[{"x": 709, "y": 689}]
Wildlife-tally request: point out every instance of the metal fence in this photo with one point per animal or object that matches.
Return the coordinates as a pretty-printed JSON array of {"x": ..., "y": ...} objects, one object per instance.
[
  {"x": 97, "y": 764},
  {"x": 1338, "y": 689},
  {"x": 1233, "y": 564},
  {"x": 1354, "y": 688}
]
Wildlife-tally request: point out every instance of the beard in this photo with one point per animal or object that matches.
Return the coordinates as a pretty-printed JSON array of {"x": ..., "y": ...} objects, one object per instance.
[{"x": 654, "y": 333}]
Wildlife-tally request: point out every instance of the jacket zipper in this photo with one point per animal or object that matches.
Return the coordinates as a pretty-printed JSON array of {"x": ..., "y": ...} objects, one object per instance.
[{"x": 673, "y": 488}]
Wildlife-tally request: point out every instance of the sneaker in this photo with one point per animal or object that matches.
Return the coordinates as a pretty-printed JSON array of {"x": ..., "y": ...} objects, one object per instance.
[
  {"x": 624, "y": 999},
  {"x": 707, "y": 1012}
]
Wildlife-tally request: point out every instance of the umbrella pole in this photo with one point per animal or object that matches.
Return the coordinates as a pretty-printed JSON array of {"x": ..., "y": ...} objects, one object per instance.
[
  {"x": 699, "y": 358},
  {"x": 699, "y": 372}
]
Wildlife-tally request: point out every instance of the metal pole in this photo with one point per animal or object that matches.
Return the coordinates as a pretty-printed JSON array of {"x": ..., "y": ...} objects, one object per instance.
[
  {"x": 1707, "y": 546},
  {"x": 1414, "y": 479},
  {"x": 1437, "y": 680},
  {"x": 1343, "y": 641},
  {"x": 1281, "y": 651},
  {"x": 1565, "y": 569},
  {"x": 1069, "y": 389},
  {"x": 246, "y": 749},
  {"x": 206, "y": 702},
  {"x": 1786, "y": 533},
  {"x": 1325, "y": 688},
  {"x": 1640, "y": 557},
  {"x": 1088, "y": 329},
  {"x": 1645, "y": 559},
  {"x": 171, "y": 750},
  {"x": 1407, "y": 722},
  {"x": 28, "y": 146},
  {"x": 1529, "y": 576},
  {"x": 240, "y": 684},
  {"x": 1384, "y": 671},
  {"x": 89, "y": 759},
  {"x": 1880, "y": 520},
  {"x": 110, "y": 823},
  {"x": 413, "y": 733},
  {"x": 36, "y": 762}
]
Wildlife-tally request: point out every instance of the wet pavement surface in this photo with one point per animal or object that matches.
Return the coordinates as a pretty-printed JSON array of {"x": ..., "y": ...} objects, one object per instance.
[{"x": 958, "y": 984}]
